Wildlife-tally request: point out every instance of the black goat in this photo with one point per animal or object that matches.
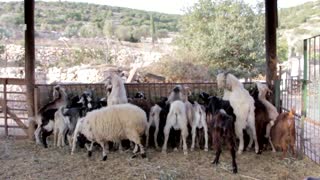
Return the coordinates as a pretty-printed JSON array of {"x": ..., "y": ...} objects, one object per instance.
[{"x": 221, "y": 127}]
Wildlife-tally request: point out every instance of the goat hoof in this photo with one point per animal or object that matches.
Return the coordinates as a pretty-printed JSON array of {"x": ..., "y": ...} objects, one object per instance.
[
  {"x": 274, "y": 151},
  {"x": 259, "y": 152},
  {"x": 215, "y": 162},
  {"x": 89, "y": 153},
  {"x": 164, "y": 151},
  {"x": 235, "y": 170},
  {"x": 185, "y": 153},
  {"x": 192, "y": 149},
  {"x": 239, "y": 152},
  {"x": 143, "y": 155},
  {"x": 206, "y": 149},
  {"x": 104, "y": 158},
  {"x": 175, "y": 149}
]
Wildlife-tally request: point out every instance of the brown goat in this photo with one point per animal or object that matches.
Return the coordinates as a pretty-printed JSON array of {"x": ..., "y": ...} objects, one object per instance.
[
  {"x": 283, "y": 133},
  {"x": 221, "y": 127}
]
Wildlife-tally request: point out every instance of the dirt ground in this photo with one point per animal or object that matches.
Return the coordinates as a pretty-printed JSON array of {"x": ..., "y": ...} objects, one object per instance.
[{"x": 22, "y": 159}]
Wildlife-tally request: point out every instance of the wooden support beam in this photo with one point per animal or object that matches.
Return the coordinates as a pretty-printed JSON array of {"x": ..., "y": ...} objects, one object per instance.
[
  {"x": 271, "y": 41},
  {"x": 30, "y": 61}
]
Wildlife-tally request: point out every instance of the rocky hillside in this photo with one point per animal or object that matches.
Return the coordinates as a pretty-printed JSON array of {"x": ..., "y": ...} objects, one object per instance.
[
  {"x": 298, "y": 23},
  {"x": 69, "y": 19}
]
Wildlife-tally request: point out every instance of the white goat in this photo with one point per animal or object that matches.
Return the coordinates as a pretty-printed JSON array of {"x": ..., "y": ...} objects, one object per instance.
[
  {"x": 118, "y": 93},
  {"x": 154, "y": 120},
  {"x": 178, "y": 120},
  {"x": 60, "y": 127},
  {"x": 199, "y": 121},
  {"x": 272, "y": 110},
  {"x": 243, "y": 107},
  {"x": 112, "y": 123}
]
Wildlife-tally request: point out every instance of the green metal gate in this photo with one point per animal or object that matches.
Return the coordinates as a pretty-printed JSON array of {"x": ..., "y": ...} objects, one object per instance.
[{"x": 303, "y": 93}]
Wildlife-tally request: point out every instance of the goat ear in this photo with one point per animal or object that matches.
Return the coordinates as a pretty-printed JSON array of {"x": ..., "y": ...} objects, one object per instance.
[{"x": 292, "y": 112}]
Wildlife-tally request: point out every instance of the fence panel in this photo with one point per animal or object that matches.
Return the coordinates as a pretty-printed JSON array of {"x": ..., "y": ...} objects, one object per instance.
[
  {"x": 13, "y": 111},
  {"x": 303, "y": 93}
]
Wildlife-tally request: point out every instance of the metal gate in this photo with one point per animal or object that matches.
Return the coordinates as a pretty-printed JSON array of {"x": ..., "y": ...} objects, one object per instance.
[
  {"x": 303, "y": 92},
  {"x": 13, "y": 107}
]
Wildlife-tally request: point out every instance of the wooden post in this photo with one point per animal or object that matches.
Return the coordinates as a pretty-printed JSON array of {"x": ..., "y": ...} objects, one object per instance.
[
  {"x": 29, "y": 62},
  {"x": 4, "y": 105},
  {"x": 271, "y": 42}
]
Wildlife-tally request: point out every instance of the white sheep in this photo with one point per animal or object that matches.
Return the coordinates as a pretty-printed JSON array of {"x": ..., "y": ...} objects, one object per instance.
[
  {"x": 177, "y": 118},
  {"x": 112, "y": 123},
  {"x": 199, "y": 121},
  {"x": 243, "y": 107},
  {"x": 154, "y": 120}
]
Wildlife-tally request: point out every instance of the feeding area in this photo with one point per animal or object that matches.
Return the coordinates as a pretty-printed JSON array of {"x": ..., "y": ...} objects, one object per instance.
[
  {"x": 22, "y": 159},
  {"x": 119, "y": 110}
]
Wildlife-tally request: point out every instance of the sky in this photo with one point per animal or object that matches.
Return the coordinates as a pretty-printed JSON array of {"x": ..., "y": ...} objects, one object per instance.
[{"x": 169, "y": 6}]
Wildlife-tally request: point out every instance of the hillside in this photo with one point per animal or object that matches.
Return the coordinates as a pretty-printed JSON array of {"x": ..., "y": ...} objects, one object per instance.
[
  {"x": 84, "y": 20},
  {"x": 297, "y": 23}
]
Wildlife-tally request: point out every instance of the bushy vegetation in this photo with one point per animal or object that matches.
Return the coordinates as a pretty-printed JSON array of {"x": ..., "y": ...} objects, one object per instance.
[
  {"x": 293, "y": 17},
  {"x": 86, "y": 20},
  {"x": 225, "y": 35}
]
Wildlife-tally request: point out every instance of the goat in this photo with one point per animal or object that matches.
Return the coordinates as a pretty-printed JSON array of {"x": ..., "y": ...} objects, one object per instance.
[
  {"x": 272, "y": 110},
  {"x": 221, "y": 127},
  {"x": 176, "y": 119},
  {"x": 115, "y": 86},
  {"x": 262, "y": 120},
  {"x": 154, "y": 120},
  {"x": 283, "y": 133},
  {"x": 243, "y": 107},
  {"x": 140, "y": 95},
  {"x": 45, "y": 115},
  {"x": 199, "y": 121}
]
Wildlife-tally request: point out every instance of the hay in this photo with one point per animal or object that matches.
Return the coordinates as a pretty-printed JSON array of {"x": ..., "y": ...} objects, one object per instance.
[{"x": 24, "y": 160}]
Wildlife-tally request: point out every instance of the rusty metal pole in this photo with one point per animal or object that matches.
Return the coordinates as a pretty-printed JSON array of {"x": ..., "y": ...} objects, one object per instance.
[
  {"x": 271, "y": 22},
  {"x": 29, "y": 62}
]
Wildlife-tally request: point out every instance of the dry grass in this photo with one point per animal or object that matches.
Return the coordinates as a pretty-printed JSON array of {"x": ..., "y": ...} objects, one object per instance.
[{"x": 21, "y": 159}]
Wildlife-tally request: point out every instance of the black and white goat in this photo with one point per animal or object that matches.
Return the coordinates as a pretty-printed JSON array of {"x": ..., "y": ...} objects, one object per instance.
[{"x": 45, "y": 116}]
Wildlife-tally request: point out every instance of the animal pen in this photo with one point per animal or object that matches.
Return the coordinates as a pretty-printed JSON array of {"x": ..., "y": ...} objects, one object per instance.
[{"x": 21, "y": 98}]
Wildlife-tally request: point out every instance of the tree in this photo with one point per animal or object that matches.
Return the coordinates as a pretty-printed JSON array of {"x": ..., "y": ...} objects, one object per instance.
[
  {"x": 89, "y": 30},
  {"x": 152, "y": 29},
  {"x": 225, "y": 35},
  {"x": 108, "y": 28},
  {"x": 282, "y": 50}
]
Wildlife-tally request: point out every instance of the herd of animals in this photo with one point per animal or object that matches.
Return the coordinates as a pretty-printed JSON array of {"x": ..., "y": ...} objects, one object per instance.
[{"x": 117, "y": 121}]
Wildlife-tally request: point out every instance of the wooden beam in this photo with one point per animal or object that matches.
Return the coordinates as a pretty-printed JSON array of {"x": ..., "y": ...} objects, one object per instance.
[
  {"x": 30, "y": 61},
  {"x": 271, "y": 41}
]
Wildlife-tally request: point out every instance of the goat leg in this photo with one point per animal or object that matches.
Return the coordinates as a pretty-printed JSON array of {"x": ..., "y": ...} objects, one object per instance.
[
  {"x": 216, "y": 159},
  {"x": 156, "y": 137},
  {"x": 193, "y": 132},
  {"x": 284, "y": 150},
  {"x": 90, "y": 149},
  {"x": 234, "y": 163}
]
